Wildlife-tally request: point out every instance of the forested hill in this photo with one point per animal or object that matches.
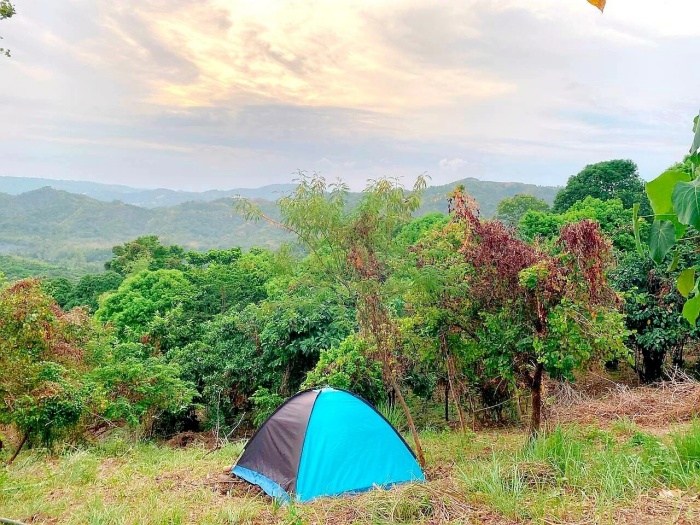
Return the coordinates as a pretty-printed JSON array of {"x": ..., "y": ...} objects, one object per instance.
[
  {"x": 147, "y": 198},
  {"x": 74, "y": 230},
  {"x": 488, "y": 194},
  {"x": 53, "y": 225}
]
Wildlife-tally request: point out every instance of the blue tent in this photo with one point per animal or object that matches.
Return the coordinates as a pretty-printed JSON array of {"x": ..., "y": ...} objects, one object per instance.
[{"x": 326, "y": 442}]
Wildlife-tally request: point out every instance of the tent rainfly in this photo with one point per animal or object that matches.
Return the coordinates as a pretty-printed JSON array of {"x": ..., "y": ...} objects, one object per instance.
[{"x": 326, "y": 442}]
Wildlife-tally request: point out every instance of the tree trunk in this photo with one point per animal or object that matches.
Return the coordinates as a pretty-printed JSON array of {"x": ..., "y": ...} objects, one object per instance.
[
  {"x": 536, "y": 393},
  {"x": 447, "y": 404},
  {"x": 653, "y": 365},
  {"x": 409, "y": 420},
  {"x": 19, "y": 448},
  {"x": 455, "y": 396}
]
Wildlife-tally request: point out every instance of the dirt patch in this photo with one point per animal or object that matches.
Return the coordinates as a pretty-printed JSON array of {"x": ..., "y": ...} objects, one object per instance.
[
  {"x": 186, "y": 439},
  {"x": 109, "y": 467},
  {"x": 658, "y": 406},
  {"x": 230, "y": 485},
  {"x": 665, "y": 508}
]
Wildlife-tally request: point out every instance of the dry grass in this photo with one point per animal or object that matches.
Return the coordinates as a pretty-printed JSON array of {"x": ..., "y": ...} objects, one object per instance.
[
  {"x": 586, "y": 473},
  {"x": 649, "y": 406},
  {"x": 664, "y": 508}
]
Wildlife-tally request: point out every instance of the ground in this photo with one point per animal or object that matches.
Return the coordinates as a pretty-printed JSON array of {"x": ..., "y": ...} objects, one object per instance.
[{"x": 597, "y": 471}]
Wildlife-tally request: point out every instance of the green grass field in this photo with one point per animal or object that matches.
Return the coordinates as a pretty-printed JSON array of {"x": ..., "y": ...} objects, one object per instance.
[{"x": 574, "y": 475}]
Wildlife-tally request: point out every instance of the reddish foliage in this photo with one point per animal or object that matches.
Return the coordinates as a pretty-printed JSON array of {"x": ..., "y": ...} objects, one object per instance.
[
  {"x": 497, "y": 259},
  {"x": 35, "y": 322},
  {"x": 496, "y": 255},
  {"x": 589, "y": 254}
]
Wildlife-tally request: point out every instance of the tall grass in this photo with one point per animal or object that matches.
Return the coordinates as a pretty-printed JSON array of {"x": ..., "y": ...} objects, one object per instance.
[
  {"x": 394, "y": 415},
  {"x": 573, "y": 474},
  {"x": 555, "y": 471}
]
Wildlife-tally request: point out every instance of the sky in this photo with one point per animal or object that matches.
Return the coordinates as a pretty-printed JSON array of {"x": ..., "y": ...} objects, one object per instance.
[{"x": 207, "y": 94}]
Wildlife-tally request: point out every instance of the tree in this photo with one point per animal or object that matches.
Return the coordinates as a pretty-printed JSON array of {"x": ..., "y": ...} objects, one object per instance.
[
  {"x": 614, "y": 219},
  {"x": 532, "y": 312},
  {"x": 140, "y": 297},
  {"x": 131, "y": 385},
  {"x": 352, "y": 248},
  {"x": 653, "y": 309},
  {"x": 512, "y": 209},
  {"x": 435, "y": 302},
  {"x": 43, "y": 353},
  {"x": 347, "y": 366},
  {"x": 145, "y": 253},
  {"x": 7, "y": 10},
  {"x": 60, "y": 288},
  {"x": 90, "y": 287},
  {"x": 613, "y": 179}
]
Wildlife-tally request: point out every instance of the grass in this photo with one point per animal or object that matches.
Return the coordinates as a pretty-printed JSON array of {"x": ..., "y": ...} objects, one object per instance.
[{"x": 574, "y": 474}]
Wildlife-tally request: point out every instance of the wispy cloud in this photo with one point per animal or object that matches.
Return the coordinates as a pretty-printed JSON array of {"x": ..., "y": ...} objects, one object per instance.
[{"x": 194, "y": 94}]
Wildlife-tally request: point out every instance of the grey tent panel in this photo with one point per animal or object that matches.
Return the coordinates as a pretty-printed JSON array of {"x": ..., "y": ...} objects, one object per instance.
[{"x": 275, "y": 449}]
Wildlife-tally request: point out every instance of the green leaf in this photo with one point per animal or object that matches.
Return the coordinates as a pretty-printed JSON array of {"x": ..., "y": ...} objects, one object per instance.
[
  {"x": 691, "y": 309},
  {"x": 674, "y": 263},
  {"x": 696, "y": 140},
  {"x": 686, "y": 282},
  {"x": 635, "y": 227},
  {"x": 662, "y": 237},
  {"x": 686, "y": 202},
  {"x": 660, "y": 190}
]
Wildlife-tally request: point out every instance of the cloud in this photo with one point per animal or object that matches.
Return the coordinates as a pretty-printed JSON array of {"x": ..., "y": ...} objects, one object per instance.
[
  {"x": 452, "y": 164},
  {"x": 170, "y": 92}
]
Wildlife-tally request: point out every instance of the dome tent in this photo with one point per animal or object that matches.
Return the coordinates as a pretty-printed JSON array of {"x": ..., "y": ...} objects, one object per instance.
[{"x": 326, "y": 442}]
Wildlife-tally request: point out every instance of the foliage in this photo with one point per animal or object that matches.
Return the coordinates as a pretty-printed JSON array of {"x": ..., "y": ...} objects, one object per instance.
[
  {"x": 225, "y": 367},
  {"x": 535, "y": 312},
  {"x": 85, "y": 292},
  {"x": 132, "y": 386},
  {"x": 137, "y": 300},
  {"x": 613, "y": 179},
  {"x": 512, "y": 209},
  {"x": 16, "y": 268},
  {"x": 416, "y": 229},
  {"x": 88, "y": 290},
  {"x": 42, "y": 356},
  {"x": 614, "y": 219},
  {"x": 7, "y": 10},
  {"x": 265, "y": 403},
  {"x": 144, "y": 253},
  {"x": 653, "y": 309},
  {"x": 673, "y": 197},
  {"x": 347, "y": 366}
]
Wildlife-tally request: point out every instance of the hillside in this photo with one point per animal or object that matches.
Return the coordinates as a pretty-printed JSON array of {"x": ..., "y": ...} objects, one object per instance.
[
  {"x": 147, "y": 198},
  {"x": 61, "y": 227},
  {"x": 77, "y": 231},
  {"x": 488, "y": 194}
]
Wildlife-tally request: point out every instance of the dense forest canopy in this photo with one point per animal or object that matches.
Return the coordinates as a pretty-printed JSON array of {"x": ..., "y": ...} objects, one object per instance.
[{"x": 374, "y": 299}]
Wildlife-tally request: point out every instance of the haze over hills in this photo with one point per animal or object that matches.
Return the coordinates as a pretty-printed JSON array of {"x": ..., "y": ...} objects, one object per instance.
[
  {"x": 486, "y": 193},
  {"x": 78, "y": 231},
  {"x": 147, "y": 198}
]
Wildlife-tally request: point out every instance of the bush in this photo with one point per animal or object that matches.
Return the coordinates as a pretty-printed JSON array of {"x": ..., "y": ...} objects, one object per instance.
[{"x": 347, "y": 366}]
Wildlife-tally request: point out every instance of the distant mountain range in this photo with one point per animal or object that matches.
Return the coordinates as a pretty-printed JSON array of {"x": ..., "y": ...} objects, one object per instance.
[
  {"x": 77, "y": 229},
  {"x": 145, "y": 198}
]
